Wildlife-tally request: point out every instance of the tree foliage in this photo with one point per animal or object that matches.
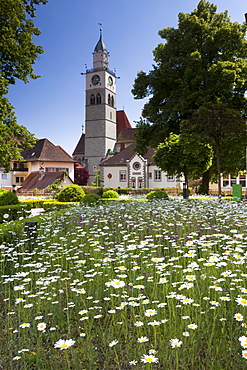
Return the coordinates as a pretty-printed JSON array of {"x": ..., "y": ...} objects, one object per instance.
[
  {"x": 81, "y": 175},
  {"x": 18, "y": 53},
  {"x": 225, "y": 130},
  {"x": 185, "y": 155},
  {"x": 203, "y": 60}
]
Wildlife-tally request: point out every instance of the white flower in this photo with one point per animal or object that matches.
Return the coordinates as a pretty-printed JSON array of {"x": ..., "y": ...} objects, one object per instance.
[
  {"x": 150, "y": 312},
  {"x": 149, "y": 358},
  {"x": 64, "y": 344},
  {"x": 175, "y": 343},
  {"x": 142, "y": 339},
  {"x": 25, "y": 325},
  {"x": 41, "y": 326},
  {"x": 113, "y": 343},
  {"x": 241, "y": 301},
  {"x": 238, "y": 317},
  {"x": 243, "y": 341},
  {"x": 192, "y": 326}
]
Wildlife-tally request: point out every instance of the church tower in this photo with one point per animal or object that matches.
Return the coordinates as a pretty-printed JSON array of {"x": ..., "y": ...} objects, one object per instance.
[{"x": 100, "y": 122}]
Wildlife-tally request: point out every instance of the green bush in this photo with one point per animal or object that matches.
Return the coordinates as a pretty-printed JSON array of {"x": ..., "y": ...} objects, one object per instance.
[
  {"x": 13, "y": 212},
  {"x": 152, "y": 195},
  {"x": 7, "y": 197},
  {"x": 55, "y": 205},
  {"x": 110, "y": 194},
  {"x": 91, "y": 199},
  {"x": 34, "y": 203},
  {"x": 71, "y": 193}
]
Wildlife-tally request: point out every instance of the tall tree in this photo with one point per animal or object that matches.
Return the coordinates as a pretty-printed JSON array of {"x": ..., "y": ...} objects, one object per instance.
[
  {"x": 203, "y": 60},
  {"x": 225, "y": 130},
  {"x": 18, "y": 53}
]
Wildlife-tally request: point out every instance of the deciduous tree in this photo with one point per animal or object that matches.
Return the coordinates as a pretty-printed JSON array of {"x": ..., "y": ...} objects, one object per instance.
[
  {"x": 203, "y": 60},
  {"x": 18, "y": 53}
]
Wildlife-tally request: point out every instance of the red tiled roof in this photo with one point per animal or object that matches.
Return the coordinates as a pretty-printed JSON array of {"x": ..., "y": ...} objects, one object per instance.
[{"x": 122, "y": 120}]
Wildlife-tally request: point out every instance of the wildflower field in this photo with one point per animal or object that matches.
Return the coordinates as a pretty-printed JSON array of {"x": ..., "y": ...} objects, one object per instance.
[{"x": 144, "y": 285}]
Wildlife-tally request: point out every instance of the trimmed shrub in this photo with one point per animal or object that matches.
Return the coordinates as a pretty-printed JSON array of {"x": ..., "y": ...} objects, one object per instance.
[
  {"x": 13, "y": 212},
  {"x": 7, "y": 197},
  {"x": 71, "y": 193},
  {"x": 34, "y": 203},
  {"x": 157, "y": 195},
  {"x": 110, "y": 194},
  {"x": 91, "y": 199},
  {"x": 55, "y": 205}
]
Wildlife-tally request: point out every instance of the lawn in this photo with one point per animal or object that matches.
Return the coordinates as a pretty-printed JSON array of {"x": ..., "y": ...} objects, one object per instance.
[{"x": 142, "y": 285}]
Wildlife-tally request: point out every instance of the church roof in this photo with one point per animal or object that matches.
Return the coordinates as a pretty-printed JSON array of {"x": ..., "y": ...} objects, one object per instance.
[
  {"x": 80, "y": 147},
  {"x": 125, "y": 155},
  {"x": 44, "y": 150},
  {"x": 100, "y": 45},
  {"x": 126, "y": 135},
  {"x": 122, "y": 120}
]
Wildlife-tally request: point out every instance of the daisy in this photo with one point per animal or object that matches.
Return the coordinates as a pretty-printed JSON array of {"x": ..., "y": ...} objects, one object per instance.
[
  {"x": 133, "y": 362},
  {"x": 64, "y": 344},
  {"x": 113, "y": 343},
  {"x": 150, "y": 312},
  {"x": 25, "y": 325},
  {"x": 138, "y": 323},
  {"x": 149, "y": 358},
  {"x": 175, "y": 343},
  {"x": 192, "y": 326},
  {"x": 241, "y": 301},
  {"x": 243, "y": 341},
  {"x": 244, "y": 354},
  {"x": 238, "y": 317},
  {"x": 142, "y": 339}
]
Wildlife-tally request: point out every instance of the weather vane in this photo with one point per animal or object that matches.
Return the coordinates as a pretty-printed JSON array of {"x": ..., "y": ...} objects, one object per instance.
[{"x": 100, "y": 24}]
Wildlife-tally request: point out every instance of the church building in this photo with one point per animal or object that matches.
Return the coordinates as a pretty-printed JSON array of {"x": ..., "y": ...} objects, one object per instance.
[{"x": 108, "y": 141}]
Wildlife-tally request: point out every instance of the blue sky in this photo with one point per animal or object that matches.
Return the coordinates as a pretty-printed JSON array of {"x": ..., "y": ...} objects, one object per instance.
[{"x": 52, "y": 106}]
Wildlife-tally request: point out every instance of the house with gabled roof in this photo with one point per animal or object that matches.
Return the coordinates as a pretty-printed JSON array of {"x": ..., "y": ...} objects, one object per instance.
[{"x": 42, "y": 165}]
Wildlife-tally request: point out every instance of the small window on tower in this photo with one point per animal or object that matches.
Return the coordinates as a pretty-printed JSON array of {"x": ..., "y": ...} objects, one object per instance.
[
  {"x": 92, "y": 99},
  {"x": 109, "y": 99},
  {"x": 112, "y": 101},
  {"x": 98, "y": 99}
]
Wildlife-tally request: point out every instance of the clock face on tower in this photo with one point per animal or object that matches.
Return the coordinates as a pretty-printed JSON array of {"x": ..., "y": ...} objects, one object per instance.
[
  {"x": 110, "y": 80},
  {"x": 95, "y": 79}
]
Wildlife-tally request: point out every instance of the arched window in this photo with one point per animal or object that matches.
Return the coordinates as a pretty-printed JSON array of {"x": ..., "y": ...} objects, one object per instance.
[
  {"x": 92, "y": 99},
  {"x": 109, "y": 99},
  {"x": 98, "y": 99},
  {"x": 112, "y": 101}
]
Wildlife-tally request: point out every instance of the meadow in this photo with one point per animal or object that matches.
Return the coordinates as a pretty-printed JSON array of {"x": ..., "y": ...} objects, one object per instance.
[{"x": 122, "y": 285}]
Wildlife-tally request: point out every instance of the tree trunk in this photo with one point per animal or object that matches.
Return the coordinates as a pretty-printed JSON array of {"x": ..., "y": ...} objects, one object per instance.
[
  {"x": 217, "y": 153},
  {"x": 204, "y": 188}
]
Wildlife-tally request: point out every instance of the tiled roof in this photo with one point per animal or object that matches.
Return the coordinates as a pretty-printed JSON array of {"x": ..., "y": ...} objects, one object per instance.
[
  {"x": 126, "y": 135},
  {"x": 125, "y": 155},
  {"x": 33, "y": 182},
  {"x": 44, "y": 150},
  {"x": 80, "y": 147},
  {"x": 122, "y": 120}
]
